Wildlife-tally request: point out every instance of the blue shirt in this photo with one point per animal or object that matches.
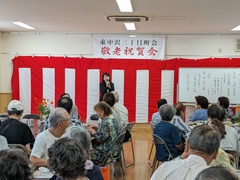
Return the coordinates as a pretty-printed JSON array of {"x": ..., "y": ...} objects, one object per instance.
[
  {"x": 170, "y": 134},
  {"x": 200, "y": 114}
]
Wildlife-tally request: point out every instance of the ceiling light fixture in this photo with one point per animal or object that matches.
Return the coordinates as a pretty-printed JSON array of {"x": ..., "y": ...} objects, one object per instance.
[
  {"x": 23, "y": 25},
  {"x": 236, "y": 28},
  {"x": 130, "y": 26},
  {"x": 132, "y": 36},
  {"x": 125, "y": 5}
]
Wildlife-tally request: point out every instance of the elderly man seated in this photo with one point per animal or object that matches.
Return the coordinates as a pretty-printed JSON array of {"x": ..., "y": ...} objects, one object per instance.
[
  {"x": 59, "y": 120},
  {"x": 201, "y": 148}
]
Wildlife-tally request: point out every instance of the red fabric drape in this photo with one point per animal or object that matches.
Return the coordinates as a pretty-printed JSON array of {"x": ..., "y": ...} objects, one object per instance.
[{"x": 128, "y": 65}]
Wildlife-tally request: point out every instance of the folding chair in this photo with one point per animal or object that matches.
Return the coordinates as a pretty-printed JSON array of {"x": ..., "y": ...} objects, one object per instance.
[
  {"x": 3, "y": 117},
  {"x": 29, "y": 120},
  {"x": 157, "y": 141},
  {"x": 112, "y": 158},
  {"x": 129, "y": 128},
  {"x": 150, "y": 153}
]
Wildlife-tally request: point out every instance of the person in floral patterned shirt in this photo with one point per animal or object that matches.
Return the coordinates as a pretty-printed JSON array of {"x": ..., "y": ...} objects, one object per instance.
[{"x": 105, "y": 134}]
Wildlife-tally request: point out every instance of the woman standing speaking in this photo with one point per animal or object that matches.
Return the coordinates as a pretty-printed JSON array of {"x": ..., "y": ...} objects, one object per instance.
[{"x": 106, "y": 85}]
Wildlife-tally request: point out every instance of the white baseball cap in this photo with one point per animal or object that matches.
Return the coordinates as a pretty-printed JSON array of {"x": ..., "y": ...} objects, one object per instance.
[{"x": 15, "y": 104}]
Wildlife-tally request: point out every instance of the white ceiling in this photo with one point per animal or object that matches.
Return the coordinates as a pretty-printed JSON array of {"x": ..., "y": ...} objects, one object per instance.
[{"x": 89, "y": 16}]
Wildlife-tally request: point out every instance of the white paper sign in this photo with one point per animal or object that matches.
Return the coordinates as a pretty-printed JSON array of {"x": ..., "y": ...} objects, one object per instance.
[{"x": 145, "y": 47}]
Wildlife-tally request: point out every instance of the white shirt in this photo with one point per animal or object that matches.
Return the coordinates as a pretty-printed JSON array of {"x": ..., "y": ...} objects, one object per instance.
[
  {"x": 123, "y": 112},
  {"x": 230, "y": 142},
  {"x": 180, "y": 169},
  {"x": 43, "y": 141},
  {"x": 3, "y": 143}
]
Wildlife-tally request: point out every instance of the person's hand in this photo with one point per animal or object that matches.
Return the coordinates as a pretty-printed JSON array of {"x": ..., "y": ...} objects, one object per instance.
[
  {"x": 93, "y": 127},
  {"x": 108, "y": 84},
  {"x": 92, "y": 131}
]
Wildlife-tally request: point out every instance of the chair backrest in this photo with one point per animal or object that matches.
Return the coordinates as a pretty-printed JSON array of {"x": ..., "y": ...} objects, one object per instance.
[
  {"x": 130, "y": 126},
  {"x": 115, "y": 151},
  {"x": 18, "y": 146},
  {"x": 158, "y": 140},
  {"x": 3, "y": 116},
  {"x": 31, "y": 116},
  {"x": 123, "y": 129}
]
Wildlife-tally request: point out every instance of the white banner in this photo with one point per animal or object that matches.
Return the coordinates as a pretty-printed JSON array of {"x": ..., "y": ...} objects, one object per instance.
[{"x": 145, "y": 47}]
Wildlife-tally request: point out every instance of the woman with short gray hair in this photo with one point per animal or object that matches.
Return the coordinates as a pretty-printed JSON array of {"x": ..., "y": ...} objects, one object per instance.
[
  {"x": 83, "y": 136},
  {"x": 169, "y": 133}
]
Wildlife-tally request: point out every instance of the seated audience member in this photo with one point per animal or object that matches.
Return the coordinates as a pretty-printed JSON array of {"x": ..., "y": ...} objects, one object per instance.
[
  {"x": 14, "y": 164},
  {"x": 67, "y": 103},
  {"x": 222, "y": 158},
  {"x": 74, "y": 109},
  {"x": 123, "y": 111},
  {"x": 177, "y": 121},
  {"x": 105, "y": 134},
  {"x": 13, "y": 130},
  {"x": 156, "y": 118},
  {"x": 230, "y": 141},
  {"x": 67, "y": 159},
  {"x": 169, "y": 133},
  {"x": 3, "y": 143},
  {"x": 83, "y": 136},
  {"x": 109, "y": 98},
  {"x": 201, "y": 146},
  {"x": 217, "y": 173},
  {"x": 224, "y": 103},
  {"x": 201, "y": 105},
  {"x": 59, "y": 120}
]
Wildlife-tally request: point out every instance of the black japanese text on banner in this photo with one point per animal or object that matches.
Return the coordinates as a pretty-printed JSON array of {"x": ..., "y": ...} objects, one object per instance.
[{"x": 152, "y": 47}]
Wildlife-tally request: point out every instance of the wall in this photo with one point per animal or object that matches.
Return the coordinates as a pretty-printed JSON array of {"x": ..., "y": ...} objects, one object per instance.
[{"x": 75, "y": 44}]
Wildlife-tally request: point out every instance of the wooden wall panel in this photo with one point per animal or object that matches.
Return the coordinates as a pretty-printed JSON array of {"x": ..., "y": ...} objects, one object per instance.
[{"x": 5, "y": 98}]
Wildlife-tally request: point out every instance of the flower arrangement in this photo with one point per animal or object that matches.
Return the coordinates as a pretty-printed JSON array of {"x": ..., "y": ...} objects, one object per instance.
[
  {"x": 237, "y": 120},
  {"x": 44, "y": 108}
]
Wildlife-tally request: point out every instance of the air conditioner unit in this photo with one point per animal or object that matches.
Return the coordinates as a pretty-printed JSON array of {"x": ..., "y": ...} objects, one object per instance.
[
  {"x": 237, "y": 44},
  {"x": 127, "y": 19}
]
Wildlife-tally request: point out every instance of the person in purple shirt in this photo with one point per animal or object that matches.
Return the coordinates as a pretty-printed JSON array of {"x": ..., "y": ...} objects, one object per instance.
[{"x": 201, "y": 105}]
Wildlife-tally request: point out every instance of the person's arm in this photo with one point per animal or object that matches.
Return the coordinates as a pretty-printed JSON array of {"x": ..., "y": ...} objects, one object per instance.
[
  {"x": 39, "y": 151},
  {"x": 103, "y": 88},
  {"x": 38, "y": 161},
  {"x": 27, "y": 146},
  {"x": 194, "y": 116},
  {"x": 180, "y": 147},
  {"x": 182, "y": 126},
  {"x": 111, "y": 87}
]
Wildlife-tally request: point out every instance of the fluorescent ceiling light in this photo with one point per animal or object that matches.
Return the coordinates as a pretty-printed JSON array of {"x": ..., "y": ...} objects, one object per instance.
[
  {"x": 236, "y": 28},
  {"x": 132, "y": 36},
  {"x": 23, "y": 25},
  {"x": 125, "y": 5},
  {"x": 130, "y": 26}
]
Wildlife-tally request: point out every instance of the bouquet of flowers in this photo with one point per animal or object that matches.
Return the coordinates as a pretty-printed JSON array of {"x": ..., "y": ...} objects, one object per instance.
[
  {"x": 237, "y": 120},
  {"x": 44, "y": 107}
]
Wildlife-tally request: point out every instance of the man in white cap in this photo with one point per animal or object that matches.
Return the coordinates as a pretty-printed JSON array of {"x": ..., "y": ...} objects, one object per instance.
[{"x": 15, "y": 131}]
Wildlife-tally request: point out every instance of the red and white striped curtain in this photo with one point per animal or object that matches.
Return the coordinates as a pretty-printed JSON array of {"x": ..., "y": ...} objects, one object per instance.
[{"x": 140, "y": 83}]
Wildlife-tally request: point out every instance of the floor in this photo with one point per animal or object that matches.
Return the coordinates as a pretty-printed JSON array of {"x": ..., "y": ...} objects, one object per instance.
[{"x": 142, "y": 142}]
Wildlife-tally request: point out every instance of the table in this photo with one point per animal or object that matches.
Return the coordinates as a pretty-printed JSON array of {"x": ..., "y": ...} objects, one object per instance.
[{"x": 38, "y": 175}]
